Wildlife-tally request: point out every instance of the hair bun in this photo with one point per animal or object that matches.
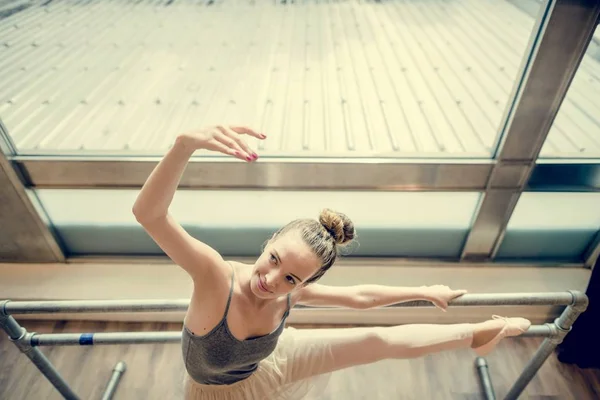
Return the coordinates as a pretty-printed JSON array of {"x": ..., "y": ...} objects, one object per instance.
[{"x": 338, "y": 225}]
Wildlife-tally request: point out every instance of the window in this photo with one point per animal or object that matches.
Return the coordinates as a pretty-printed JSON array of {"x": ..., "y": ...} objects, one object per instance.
[{"x": 100, "y": 222}]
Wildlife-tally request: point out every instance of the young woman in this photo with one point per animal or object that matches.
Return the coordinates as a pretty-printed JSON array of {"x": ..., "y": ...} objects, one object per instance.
[{"x": 234, "y": 342}]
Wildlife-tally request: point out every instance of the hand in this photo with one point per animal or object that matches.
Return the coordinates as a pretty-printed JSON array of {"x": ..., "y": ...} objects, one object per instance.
[
  {"x": 440, "y": 295},
  {"x": 224, "y": 139}
]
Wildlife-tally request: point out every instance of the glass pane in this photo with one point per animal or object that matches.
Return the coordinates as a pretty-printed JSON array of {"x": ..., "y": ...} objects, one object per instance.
[
  {"x": 553, "y": 226},
  {"x": 568, "y": 176},
  {"x": 320, "y": 78},
  {"x": 238, "y": 222},
  {"x": 575, "y": 132}
]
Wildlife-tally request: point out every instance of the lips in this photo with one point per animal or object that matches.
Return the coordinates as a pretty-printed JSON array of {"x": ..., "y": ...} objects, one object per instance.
[{"x": 261, "y": 285}]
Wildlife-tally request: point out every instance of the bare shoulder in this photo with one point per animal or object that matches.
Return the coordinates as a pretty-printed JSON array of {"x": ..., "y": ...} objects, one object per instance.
[
  {"x": 216, "y": 279},
  {"x": 209, "y": 298},
  {"x": 210, "y": 291}
]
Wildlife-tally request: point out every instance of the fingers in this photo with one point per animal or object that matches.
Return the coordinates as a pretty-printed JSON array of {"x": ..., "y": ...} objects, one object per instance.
[
  {"x": 248, "y": 131},
  {"x": 222, "y": 136},
  {"x": 223, "y": 148},
  {"x": 442, "y": 299},
  {"x": 231, "y": 139},
  {"x": 452, "y": 292}
]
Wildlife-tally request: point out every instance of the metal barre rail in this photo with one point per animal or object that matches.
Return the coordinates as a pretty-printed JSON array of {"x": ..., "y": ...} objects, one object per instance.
[
  {"x": 104, "y": 338},
  {"x": 97, "y": 306},
  {"x": 29, "y": 342}
]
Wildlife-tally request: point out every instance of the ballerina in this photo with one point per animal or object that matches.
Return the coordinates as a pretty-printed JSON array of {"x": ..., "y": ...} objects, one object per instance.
[{"x": 235, "y": 345}]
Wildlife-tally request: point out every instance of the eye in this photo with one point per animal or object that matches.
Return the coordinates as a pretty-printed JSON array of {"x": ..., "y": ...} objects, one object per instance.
[
  {"x": 291, "y": 280},
  {"x": 273, "y": 258}
]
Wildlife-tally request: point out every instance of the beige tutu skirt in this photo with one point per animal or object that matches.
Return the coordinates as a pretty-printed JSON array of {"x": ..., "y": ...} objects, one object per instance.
[{"x": 292, "y": 371}]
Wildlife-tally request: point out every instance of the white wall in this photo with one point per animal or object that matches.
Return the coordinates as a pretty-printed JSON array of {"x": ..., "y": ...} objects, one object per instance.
[{"x": 143, "y": 280}]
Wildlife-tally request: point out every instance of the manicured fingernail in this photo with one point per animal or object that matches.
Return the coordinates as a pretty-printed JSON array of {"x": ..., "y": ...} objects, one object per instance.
[
  {"x": 255, "y": 156},
  {"x": 249, "y": 158},
  {"x": 262, "y": 135}
]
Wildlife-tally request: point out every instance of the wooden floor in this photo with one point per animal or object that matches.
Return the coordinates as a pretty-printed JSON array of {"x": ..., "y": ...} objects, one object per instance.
[{"x": 155, "y": 371}]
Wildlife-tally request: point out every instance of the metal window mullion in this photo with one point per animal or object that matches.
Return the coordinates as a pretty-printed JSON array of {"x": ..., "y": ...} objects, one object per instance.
[
  {"x": 24, "y": 236},
  {"x": 556, "y": 49},
  {"x": 7, "y": 146}
]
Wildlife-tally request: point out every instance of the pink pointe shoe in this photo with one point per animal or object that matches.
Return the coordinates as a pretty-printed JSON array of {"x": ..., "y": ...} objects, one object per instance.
[{"x": 513, "y": 327}]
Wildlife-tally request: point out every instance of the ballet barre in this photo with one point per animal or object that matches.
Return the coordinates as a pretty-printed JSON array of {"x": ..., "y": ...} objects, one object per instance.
[{"x": 28, "y": 343}]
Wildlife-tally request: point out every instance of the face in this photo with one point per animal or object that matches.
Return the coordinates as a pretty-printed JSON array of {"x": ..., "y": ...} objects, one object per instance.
[{"x": 283, "y": 267}]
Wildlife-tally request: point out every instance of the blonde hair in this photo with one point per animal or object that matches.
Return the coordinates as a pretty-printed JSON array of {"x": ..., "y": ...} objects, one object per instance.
[{"x": 325, "y": 237}]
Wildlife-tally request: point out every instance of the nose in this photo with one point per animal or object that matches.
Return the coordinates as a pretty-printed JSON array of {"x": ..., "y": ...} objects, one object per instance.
[{"x": 271, "y": 279}]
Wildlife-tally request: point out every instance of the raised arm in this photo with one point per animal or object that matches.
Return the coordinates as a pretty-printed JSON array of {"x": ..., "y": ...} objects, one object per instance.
[{"x": 151, "y": 208}]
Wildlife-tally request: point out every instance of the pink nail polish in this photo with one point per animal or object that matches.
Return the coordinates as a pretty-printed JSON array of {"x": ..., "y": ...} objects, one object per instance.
[{"x": 262, "y": 135}]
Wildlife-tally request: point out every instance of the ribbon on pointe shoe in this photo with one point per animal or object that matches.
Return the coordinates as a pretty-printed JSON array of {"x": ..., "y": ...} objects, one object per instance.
[
  {"x": 511, "y": 328},
  {"x": 511, "y": 324}
]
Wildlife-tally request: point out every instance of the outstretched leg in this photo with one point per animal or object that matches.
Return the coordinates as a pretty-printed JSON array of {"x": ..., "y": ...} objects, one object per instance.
[{"x": 319, "y": 351}]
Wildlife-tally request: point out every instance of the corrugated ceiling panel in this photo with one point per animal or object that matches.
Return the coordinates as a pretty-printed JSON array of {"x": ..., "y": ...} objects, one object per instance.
[{"x": 335, "y": 78}]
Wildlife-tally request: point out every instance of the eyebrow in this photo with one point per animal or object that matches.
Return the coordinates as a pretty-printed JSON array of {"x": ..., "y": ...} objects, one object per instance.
[{"x": 279, "y": 258}]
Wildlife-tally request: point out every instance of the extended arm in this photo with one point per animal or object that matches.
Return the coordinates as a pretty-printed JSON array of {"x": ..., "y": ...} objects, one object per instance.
[
  {"x": 373, "y": 296},
  {"x": 379, "y": 296}
]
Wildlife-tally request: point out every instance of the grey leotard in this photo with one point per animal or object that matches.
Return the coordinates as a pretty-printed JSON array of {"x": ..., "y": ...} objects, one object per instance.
[{"x": 218, "y": 358}]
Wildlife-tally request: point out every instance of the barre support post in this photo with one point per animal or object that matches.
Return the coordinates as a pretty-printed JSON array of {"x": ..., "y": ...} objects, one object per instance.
[
  {"x": 114, "y": 380},
  {"x": 22, "y": 339},
  {"x": 562, "y": 326},
  {"x": 484, "y": 378}
]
